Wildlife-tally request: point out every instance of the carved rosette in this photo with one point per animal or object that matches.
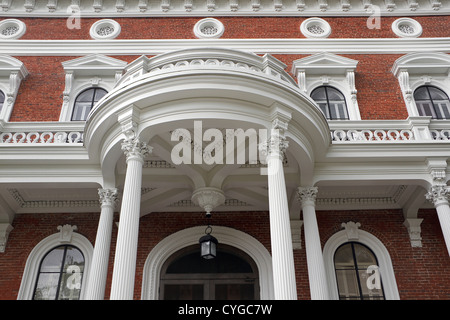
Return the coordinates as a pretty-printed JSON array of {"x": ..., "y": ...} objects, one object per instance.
[
  {"x": 307, "y": 195},
  {"x": 438, "y": 194},
  {"x": 134, "y": 149},
  {"x": 108, "y": 197},
  {"x": 208, "y": 198}
]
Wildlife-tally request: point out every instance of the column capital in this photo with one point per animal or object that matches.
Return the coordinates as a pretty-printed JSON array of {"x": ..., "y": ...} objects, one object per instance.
[
  {"x": 276, "y": 145},
  {"x": 438, "y": 195},
  {"x": 307, "y": 195},
  {"x": 108, "y": 197},
  {"x": 134, "y": 149}
]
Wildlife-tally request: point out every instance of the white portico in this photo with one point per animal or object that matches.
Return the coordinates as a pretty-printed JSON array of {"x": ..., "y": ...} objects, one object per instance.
[{"x": 223, "y": 89}]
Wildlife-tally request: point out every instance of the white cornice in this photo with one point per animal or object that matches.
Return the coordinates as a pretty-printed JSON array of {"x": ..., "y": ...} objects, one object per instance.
[
  {"x": 259, "y": 46},
  {"x": 200, "y": 8}
]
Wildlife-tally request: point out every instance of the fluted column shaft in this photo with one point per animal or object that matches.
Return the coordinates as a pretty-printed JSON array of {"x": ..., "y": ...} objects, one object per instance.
[
  {"x": 99, "y": 269},
  {"x": 439, "y": 195},
  {"x": 122, "y": 287},
  {"x": 280, "y": 229},
  {"x": 316, "y": 268}
]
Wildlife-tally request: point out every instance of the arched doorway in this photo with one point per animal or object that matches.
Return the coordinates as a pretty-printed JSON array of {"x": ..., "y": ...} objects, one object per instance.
[{"x": 232, "y": 275}]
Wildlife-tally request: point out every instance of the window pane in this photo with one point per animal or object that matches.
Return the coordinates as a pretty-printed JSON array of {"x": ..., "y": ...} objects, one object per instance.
[
  {"x": 319, "y": 94},
  {"x": 442, "y": 109},
  {"x": 52, "y": 261},
  {"x": 81, "y": 110},
  {"x": 347, "y": 285},
  {"x": 99, "y": 93},
  {"x": 334, "y": 94},
  {"x": 425, "y": 109},
  {"x": 344, "y": 257},
  {"x": 421, "y": 93},
  {"x": 86, "y": 96},
  {"x": 47, "y": 286},
  {"x": 85, "y": 101},
  {"x": 70, "y": 285},
  {"x": 437, "y": 94},
  {"x": 73, "y": 258},
  {"x": 364, "y": 256}
]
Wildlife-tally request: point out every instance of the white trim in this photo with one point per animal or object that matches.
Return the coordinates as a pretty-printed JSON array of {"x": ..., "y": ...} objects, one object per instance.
[
  {"x": 94, "y": 70},
  {"x": 21, "y": 28},
  {"x": 209, "y": 22},
  {"x": 321, "y": 23},
  {"x": 184, "y": 238},
  {"x": 384, "y": 260},
  {"x": 96, "y": 26},
  {"x": 259, "y": 46},
  {"x": 416, "y": 69},
  {"x": 37, "y": 254},
  {"x": 407, "y": 22}
]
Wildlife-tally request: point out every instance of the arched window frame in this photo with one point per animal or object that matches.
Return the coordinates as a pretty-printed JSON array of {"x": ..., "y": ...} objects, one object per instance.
[
  {"x": 327, "y": 69},
  {"x": 187, "y": 237},
  {"x": 94, "y": 70},
  {"x": 12, "y": 72},
  {"x": 327, "y": 87},
  {"x": 414, "y": 70},
  {"x": 38, "y": 253},
  {"x": 385, "y": 269},
  {"x": 78, "y": 95},
  {"x": 61, "y": 271}
]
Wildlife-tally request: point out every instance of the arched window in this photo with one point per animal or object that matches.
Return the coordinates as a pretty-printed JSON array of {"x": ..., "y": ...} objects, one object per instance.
[
  {"x": 230, "y": 275},
  {"x": 331, "y": 101},
  {"x": 60, "y": 274},
  {"x": 2, "y": 100},
  {"x": 431, "y": 101},
  {"x": 357, "y": 273},
  {"x": 85, "y": 101}
]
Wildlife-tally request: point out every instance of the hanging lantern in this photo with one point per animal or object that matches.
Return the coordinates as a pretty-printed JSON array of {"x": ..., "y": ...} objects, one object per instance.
[{"x": 208, "y": 245}]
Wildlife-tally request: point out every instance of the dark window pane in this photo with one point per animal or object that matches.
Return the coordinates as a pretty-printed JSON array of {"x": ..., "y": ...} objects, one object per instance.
[
  {"x": 60, "y": 274},
  {"x": 85, "y": 101},
  {"x": 357, "y": 273},
  {"x": 421, "y": 93},
  {"x": 331, "y": 101},
  {"x": 431, "y": 101},
  {"x": 319, "y": 94},
  {"x": 437, "y": 94}
]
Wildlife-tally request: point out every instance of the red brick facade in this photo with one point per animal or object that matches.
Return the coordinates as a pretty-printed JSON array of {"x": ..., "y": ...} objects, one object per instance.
[{"x": 430, "y": 261}]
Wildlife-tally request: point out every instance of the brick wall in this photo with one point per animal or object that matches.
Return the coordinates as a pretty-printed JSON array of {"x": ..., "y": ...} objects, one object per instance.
[
  {"x": 421, "y": 273},
  {"x": 41, "y": 95}
]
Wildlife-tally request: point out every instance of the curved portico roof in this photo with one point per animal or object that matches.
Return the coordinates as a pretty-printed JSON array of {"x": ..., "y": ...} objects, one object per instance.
[{"x": 222, "y": 88}]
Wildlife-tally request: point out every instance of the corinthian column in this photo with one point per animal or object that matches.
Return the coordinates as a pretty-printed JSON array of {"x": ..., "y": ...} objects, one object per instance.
[
  {"x": 98, "y": 272},
  {"x": 439, "y": 196},
  {"x": 316, "y": 269},
  {"x": 280, "y": 229},
  {"x": 125, "y": 260}
]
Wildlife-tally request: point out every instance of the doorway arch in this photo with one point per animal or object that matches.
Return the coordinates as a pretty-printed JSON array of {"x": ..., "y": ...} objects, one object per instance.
[
  {"x": 185, "y": 238},
  {"x": 231, "y": 275}
]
